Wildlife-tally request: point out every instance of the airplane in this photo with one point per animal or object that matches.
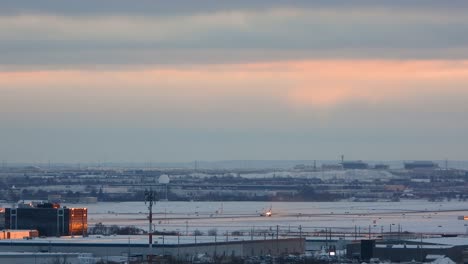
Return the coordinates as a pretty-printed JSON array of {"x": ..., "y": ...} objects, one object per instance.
[{"x": 268, "y": 213}]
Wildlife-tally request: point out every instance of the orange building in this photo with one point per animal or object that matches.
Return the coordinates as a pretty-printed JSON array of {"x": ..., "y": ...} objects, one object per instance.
[{"x": 48, "y": 220}]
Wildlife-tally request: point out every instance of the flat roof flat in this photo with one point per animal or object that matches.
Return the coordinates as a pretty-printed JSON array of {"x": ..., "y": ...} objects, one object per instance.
[
  {"x": 451, "y": 241},
  {"x": 140, "y": 239}
]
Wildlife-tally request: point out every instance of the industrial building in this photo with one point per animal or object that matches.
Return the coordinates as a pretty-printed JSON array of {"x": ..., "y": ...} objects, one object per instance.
[
  {"x": 48, "y": 219},
  {"x": 381, "y": 167},
  {"x": 18, "y": 234},
  {"x": 421, "y": 165},
  {"x": 36, "y": 257},
  {"x": 179, "y": 247},
  {"x": 421, "y": 250},
  {"x": 355, "y": 165}
]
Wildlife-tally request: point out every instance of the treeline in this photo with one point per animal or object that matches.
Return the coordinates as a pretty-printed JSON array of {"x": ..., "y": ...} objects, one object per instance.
[{"x": 101, "y": 229}]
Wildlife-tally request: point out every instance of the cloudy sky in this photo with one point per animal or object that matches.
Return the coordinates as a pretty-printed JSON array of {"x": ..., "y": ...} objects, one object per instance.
[{"x": 115, "y": 80}]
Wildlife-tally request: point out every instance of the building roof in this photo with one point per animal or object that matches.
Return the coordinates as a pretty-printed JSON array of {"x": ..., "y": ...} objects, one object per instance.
[
  {"x": 421, "y": 162},
  {"x": 138, "y": 240},
  {"x": 450, "y": 241}
]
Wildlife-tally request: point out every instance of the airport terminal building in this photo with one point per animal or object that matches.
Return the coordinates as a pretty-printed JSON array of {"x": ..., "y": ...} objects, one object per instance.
[{"x": 48, "y": 219}]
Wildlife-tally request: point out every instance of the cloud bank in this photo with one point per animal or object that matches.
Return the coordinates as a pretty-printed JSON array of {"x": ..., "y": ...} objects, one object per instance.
[
  {"x": 276, "y": 32},
  {"x": 185, "y": 80}
]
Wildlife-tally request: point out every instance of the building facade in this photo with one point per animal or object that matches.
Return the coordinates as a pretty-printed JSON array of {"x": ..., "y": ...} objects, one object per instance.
[{"x": 48, "y": 220}]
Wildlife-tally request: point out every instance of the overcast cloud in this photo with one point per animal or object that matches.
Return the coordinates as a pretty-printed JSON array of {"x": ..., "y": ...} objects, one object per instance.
[
  {"x": 183, "y": 80},
  {"x": 56, "y": 34}
]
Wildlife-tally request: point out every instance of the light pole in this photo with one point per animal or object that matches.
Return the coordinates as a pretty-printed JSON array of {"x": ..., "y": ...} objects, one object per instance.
[{"x": 150, "y": 198}]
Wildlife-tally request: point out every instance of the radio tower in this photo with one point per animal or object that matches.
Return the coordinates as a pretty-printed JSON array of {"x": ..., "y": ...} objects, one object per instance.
[{"x": 150, "y": 198}]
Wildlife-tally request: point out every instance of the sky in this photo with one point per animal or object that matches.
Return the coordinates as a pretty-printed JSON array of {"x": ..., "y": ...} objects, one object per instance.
[{"x": 177, "y": 81}]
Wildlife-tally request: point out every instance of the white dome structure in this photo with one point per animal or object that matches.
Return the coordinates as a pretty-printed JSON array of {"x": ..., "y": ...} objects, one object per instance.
[{"x": 164, "y": 179}]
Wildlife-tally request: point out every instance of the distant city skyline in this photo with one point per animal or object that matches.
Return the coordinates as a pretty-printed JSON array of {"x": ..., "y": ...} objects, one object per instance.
[{"x": 243, "y": 80}]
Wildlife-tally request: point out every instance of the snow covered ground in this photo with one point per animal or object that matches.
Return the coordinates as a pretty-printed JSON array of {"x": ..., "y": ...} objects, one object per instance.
[
  {"x": 347, "y": 175},
  {"x": 410, "y": 215}
]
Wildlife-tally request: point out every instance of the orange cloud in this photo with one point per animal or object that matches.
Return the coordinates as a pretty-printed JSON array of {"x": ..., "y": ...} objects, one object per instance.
[
  {"x": 328, "y": 83},
  {"x": 318, "y": 83},
  {"x": 319, "y": 96}
]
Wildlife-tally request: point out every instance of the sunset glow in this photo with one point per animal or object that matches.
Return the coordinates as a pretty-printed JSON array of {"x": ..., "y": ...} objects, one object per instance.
[
  {"x": 321, "y": 84},
  {"x": 233, "y": 80}
]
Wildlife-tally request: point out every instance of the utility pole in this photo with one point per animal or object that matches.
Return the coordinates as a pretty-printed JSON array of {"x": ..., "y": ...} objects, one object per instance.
[
  {"x": 129, "y": 253},
  {"x": 150, "y": 198},
  {"x": 277, "y": 234},
  {"x": 300, "y": 236},
  {"x": 178, "y": 244},
  {"x": 85, "y": 211},
  {"x": 399, "y": 230},
  {"x": 421, "y": 247}
]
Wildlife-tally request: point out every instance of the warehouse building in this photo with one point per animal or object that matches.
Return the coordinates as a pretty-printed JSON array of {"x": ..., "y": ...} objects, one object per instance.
[
  {"x": 421, "y": 165},
  {"x": 408, "y": 250},
  {"x": 179, "y": 247},
  {"x": 355, "y": 165},
  {"x": 48, "y": 219},
  {"x": 35, "y": 258}
]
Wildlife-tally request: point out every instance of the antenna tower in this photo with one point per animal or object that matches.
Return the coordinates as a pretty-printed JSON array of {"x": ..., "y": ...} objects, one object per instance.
[{"x": 150, "y": 198}]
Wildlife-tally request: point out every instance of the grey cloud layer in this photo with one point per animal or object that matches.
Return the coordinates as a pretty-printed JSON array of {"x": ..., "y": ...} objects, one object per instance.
[
  {"x": 46, "y": 119},
  {"x": 54, "y": 35},
  {"x": 163, "y": 7}
]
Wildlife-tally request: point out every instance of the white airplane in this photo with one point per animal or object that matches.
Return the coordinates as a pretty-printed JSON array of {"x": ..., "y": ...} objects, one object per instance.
[{"x": 268, "y": 213}]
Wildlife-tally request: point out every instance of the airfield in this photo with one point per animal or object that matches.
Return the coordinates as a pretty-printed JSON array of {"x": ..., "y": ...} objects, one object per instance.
[{"x": 341, "y": 217}]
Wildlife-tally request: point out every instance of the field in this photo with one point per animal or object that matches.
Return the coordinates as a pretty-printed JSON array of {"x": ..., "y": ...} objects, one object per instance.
[{"x": 185, "y": 217}]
